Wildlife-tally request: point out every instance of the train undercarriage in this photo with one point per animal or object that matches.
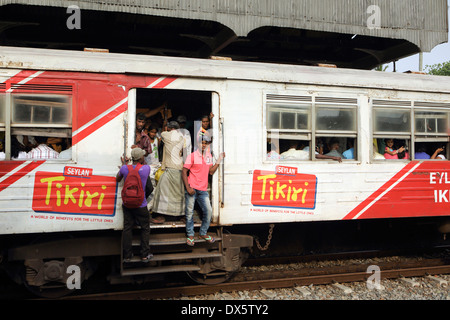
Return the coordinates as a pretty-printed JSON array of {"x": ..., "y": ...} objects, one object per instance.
[{"x": 53, "y": 265}]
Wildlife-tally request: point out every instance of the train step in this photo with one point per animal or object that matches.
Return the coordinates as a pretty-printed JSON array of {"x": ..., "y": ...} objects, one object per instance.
[
  {"x": 169, "y": 239},
  {"x": 171, "y": 253}
]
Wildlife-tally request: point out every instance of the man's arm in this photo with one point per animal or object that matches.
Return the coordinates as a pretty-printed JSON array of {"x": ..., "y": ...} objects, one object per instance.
[
  {"x": 213, "y": 168},
  {"x": 190, "y": 190}
]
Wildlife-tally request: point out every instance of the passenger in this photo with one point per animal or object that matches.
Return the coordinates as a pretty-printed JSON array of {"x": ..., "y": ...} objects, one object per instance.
[
  {"x": 389, "y": 152},
  {"x": 153, "y": 157},
  {"x": 153, "y": 161},
  {"x": 376, "y": 154},
  {"x": 66, "y": 154},
  {"x": 324, "y": 156},
  {"x": 17, "y": 150},
  {"x": 141, "y": 139},
  {"x": 350, "y": 152},
  {"x": 55, "y": 144},
  {"x": 274, "y": 152},
  {"x": 199, "y": 164},
  {"x": 2, "y": 151},
  {"x": 293, "y": 153},
  {"x": 334, "y": 146},
  {"x": 42, "y": 151},
  {"x": 28, "y": 142},
  {"x": 187, "y": 146},
  {"x": 438, "y": 154},
  {"x": 319, "y": 152},
  {"x": 403, "y": 155},
  {"x": 151, "y": 112},
  {"x": 169, "y": 192},
  {"x": 205, "y": 128},
  {"x": 422, "y": 155},
  {"x": 139, "y": 214}
]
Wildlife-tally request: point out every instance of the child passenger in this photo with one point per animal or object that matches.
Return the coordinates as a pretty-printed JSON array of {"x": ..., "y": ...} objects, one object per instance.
[{"x": 389, "y": 152}]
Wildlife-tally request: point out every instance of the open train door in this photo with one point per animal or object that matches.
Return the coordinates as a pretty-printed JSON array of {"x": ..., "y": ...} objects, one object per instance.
[{"x": 217, "y": 185}]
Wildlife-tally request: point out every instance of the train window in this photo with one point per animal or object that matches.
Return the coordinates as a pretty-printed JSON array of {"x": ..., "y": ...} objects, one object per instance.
[
  {"x": 431, "y": 122},
  {"x": 289, "y": 117},
  {"x": 290, "y": 130},
  {"x": 37, "y": 119},
  {"x": 288, "y": 127},
  {"x": 339, "y": 118},
  {"x": 401, "y": 131},
  {"x": 336, "y": 128},
  {"x": 397, "y": 148},
  {"x": 41, "y": 110},
  {"x": 392, "y": 120}
]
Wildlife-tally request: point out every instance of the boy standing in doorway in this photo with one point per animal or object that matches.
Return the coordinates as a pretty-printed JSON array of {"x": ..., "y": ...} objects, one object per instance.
[{"x": 199, "y": 164}]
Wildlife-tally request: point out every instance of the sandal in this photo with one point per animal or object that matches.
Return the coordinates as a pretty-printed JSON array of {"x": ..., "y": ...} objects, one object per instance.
[
  {"x": 157, "y": 220},
  {"x": 190, "y": 241},
  {"x": 147, "y": 258},
  {"x": 208, "y": 238}
]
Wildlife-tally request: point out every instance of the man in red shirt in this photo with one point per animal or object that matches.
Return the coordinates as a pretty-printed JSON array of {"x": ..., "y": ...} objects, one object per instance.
[{"x": 199, "y": 164}]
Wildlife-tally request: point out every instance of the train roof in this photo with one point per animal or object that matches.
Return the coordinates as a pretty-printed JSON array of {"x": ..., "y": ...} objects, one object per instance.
[
  {"x": 63, "y": 60},
  {"x": 348, "y": 33}
]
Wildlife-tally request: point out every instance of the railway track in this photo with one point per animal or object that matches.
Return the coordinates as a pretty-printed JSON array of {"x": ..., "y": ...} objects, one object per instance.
[{"x": 279, "y": 277}]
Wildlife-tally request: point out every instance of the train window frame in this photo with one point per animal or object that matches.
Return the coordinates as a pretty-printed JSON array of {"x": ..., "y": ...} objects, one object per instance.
[
  {"x": 415, "y": 134},
  {"x": 12, "y": 128},
  {"x": 390, "y": 106},
  {"x": 308, "y": 104},
  {"x": 432, "y": 138}
]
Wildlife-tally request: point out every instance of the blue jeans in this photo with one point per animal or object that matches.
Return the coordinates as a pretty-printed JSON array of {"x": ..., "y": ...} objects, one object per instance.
[{"x": 202, "y": 198}]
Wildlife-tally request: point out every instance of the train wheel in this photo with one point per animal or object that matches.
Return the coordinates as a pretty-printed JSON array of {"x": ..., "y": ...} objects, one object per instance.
[
  {"x": 218, "y": 270},
  {"x": 52, "y": 279},
  {"x": 50, "y": 291}
]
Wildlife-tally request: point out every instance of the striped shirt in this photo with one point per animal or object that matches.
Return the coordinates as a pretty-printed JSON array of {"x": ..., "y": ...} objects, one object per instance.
[{"x": 42, "y": 151}]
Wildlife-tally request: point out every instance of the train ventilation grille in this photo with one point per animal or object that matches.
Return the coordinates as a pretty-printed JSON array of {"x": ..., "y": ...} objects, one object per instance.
[
  {"x": 398, "y": 103},
  {"x": 335, "y": 100},
  {"x": 431, "y": 104},
  {"x": 41, "y": 87},
  {"x": 288, "y": 98}
]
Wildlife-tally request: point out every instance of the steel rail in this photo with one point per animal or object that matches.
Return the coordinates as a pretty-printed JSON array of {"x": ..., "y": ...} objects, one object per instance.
[{"x": 302, "y": 280}]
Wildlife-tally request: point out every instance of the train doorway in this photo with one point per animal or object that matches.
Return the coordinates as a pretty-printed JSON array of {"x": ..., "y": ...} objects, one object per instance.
[{"x": 187, "y": 107}]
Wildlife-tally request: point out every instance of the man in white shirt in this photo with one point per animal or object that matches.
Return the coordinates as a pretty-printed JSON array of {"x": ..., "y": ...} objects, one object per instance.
[
  {"x": 42, "y": 151},
  {"x": 187, "y": 147},
  {"x": 169, "y": 192},
  {"x": 293, "y": 153}
]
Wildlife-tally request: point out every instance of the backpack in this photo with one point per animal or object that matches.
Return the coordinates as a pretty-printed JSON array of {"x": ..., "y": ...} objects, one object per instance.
[{"x": 133, "y": 192}]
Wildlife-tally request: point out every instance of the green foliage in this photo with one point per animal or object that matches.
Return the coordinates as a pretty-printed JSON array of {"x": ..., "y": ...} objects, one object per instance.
[
  {"x": 381, "y": 67},
  {"x": 439, "y": 69}
]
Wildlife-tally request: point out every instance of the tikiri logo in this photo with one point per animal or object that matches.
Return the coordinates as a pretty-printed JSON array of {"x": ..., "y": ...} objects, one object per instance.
[
  {"x": 284, "y": 188},
  {"x": 76, "y": 191}
]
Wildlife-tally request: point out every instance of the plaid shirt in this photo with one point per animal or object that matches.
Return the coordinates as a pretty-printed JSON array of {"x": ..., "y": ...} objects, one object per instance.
[
  {"x": 145, "y": 143},
  {"x": 42, "y": 151}
]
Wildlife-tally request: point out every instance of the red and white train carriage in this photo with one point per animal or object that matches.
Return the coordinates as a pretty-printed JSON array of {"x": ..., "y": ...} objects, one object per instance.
[{"x": 59, "y": 212}]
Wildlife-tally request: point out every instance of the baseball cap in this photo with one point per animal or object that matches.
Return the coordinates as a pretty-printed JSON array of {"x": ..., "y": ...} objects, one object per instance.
[
  {"x": 173, "y": 124},
  {"x": 137, "y": 153}
]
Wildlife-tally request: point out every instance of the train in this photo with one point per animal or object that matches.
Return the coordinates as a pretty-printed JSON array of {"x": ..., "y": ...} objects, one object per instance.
[{"x": 65, "y": 214}]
